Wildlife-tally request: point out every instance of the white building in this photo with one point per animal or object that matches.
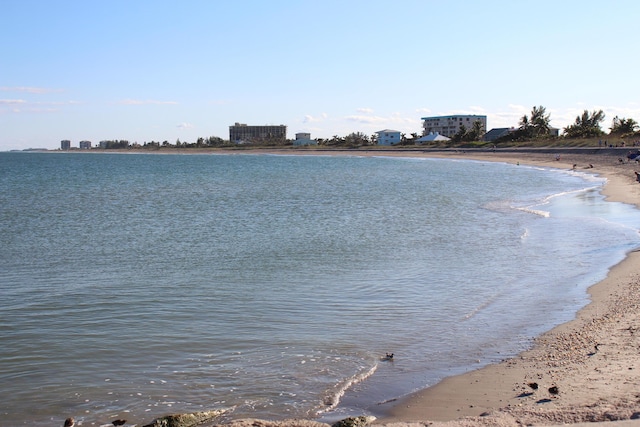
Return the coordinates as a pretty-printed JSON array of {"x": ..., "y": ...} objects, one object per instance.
[
  {"x": 388, "y": 137},
  {"x": 450, "y": 125},
  {"x": 433, "y": 137},
  {"x": 304, "y": 138}
]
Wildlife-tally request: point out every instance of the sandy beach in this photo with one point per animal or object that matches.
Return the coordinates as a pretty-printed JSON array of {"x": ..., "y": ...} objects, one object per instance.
[{"x": 584, "y": 371}]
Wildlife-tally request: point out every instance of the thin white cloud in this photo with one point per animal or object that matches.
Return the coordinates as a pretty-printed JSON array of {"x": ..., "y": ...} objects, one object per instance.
[
  {"x": 146, "y": 102},
  {"x": 311, "y": 119},
  {"x": 364, "y": 110},
  {"x": 28, "y": 89},
  {"x": 12, "y": 101},
  {"x": 57, "y": 103},
  {"x": 366, "y": 119},
  {"x": 184, "y": 126}
]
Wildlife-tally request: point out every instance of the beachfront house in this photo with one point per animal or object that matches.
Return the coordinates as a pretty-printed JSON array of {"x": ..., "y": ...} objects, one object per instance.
[
  {"x": 432, "y": 137},
  {"x": 304, "y": 138},
  {"x": 388, "y": 137},
  {"x": 497, "y": 133}
]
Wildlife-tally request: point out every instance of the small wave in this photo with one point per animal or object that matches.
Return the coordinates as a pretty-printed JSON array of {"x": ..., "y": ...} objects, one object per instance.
[
  {"x": 539, "y": 212},
  {"x": 547, "y": 200},
  {"x": 482, "y": 306},
  {"x": 332, "y": 400}
]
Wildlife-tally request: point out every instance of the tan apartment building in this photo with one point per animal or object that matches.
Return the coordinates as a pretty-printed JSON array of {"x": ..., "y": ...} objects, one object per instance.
[
  {"x": 241, "y": 132},
  {"x": 450, "y": 125}
]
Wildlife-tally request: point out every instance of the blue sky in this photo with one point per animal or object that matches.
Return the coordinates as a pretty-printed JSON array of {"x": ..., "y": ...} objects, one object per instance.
[{"x": 165, "y": 70}]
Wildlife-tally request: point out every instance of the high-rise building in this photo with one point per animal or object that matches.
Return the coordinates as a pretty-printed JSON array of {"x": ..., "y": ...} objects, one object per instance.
[
  {"x": 450, "y": 125},
  {"x": 240, "y": 132}
]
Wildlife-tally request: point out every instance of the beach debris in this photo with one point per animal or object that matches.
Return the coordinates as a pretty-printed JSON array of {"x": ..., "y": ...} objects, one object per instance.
[
  {"x": 69, "y": 422},
  {"x": 118, "y": 422},
  {"x": 595, "y": 350},
  {"x": 533, "y": 386},
  {"x": 554, "y": 390},
  {"x": 185, "y": 420},
  {"x": 354, "y": 421}
]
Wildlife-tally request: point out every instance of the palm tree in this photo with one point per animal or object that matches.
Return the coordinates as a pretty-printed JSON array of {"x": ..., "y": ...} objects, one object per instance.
[
  {"x": 477, "y": 131},
  {"x": 540, "y": 120},
  {"x": 586, "y": 125},
  {"x": 623, "y": 126},
  {"x": 537, "y": 125}
]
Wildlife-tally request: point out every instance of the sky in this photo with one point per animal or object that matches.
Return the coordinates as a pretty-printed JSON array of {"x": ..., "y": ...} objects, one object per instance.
[{"x": 158, "y": 70}]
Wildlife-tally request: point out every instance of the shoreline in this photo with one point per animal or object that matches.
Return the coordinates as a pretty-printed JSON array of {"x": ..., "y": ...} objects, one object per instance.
[{"x": 593, "y": 384}]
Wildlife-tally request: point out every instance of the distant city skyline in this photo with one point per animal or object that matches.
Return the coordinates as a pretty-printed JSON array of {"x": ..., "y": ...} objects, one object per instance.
[{"x": 163, "y": 70}]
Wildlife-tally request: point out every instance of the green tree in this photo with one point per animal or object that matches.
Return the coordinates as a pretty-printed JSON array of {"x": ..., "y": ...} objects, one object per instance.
[
  {"x": 535, "y": 126},
  {"x": 476, "y": 132},
  {"x": 335, "y": 140},
  {"x": 586, "y": 125},
  {"x": 524, "y": 124},
  {"x": 540, "y": 120},
  {"x": 356, "y": 139},
  {"x": 623, "y": 126},
  {"x": 461, "y": 134},
  {"x": 214, "y": 141}
]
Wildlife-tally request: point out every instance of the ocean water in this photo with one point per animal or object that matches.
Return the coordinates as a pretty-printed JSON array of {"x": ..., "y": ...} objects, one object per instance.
[{"x": 136, "y": 285}]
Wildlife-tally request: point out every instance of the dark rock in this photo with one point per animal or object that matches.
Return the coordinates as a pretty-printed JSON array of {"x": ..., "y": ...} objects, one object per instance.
[
  {"x": 185, "y": 420},
  {"x": 354, "y": 422}
]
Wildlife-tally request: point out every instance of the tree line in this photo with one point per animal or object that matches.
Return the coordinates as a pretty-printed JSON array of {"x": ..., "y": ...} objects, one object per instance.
[
  {"x": 533, "y": 126},
  {"x": 587, "y": 125}
]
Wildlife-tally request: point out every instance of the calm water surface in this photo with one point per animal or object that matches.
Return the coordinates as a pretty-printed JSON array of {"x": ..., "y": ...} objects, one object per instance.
[{"x": 133, "y": 286}]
